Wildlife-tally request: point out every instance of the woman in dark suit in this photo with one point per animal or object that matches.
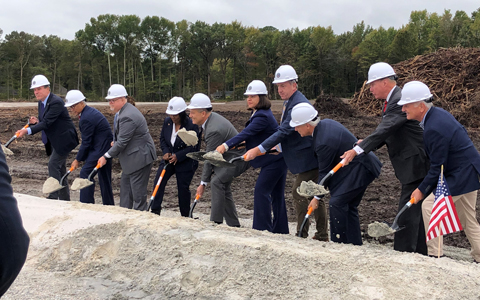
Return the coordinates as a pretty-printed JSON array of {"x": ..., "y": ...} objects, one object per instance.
[
  {"x": 269, "y": 190},
  {"x": 174, "y": 154}
]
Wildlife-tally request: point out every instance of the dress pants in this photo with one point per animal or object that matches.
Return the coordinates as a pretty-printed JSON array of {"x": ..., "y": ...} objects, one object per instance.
[
  {"x": 412, "y": 238},
  {"x": 465, "y": 206},
  {"x": 223, "y": 206},
  {"x": 133, "y": 188},
  {"x": 56, "y": 169},
  {"x": 269, "y": 196},
  {"x": 183, "y": 185},
  {"x": 104, "y": 175},
  {"x": 344, "y": 221},
  {"x": 301, "y": 208}
]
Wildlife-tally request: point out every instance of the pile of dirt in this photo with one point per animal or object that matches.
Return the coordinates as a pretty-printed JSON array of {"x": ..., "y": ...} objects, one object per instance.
[
  {"x": 452, "y": 76},
  {"x": 333, "y": 107}
]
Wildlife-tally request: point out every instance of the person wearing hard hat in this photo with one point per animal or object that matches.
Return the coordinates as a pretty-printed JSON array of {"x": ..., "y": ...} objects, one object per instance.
[
  {"x": 269, "y": 209},
  {"x": 134, "y": 147},
  {"x": 14, "y": 239},
  {"x": 405, "y": 148},
  {"x": 217, "y": 130},
  {"x": 175, "y": 160},
  {"x": 297, "y": 151},
  {"x": 347, "y": 186},
  {"x": 96, "y": 138},
  {"x": 447, "y": 144},
  {"x": 58, "y": 132}
]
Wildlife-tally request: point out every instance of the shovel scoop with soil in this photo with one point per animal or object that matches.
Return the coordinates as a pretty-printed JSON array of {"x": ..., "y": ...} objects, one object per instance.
[
  {"x": 188, "y": 137},
  {"x": 310, "y": 189}
]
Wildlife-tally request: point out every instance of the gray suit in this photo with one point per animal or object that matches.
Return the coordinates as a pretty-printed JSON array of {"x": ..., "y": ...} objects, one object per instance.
[
  {"x": 134, "y": 147},
  {"x": 217, "y": 131}
]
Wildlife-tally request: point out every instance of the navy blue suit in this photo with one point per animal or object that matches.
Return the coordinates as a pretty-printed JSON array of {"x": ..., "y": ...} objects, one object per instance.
[
  {"x": 270, "y": 186},
  {"x": 330, "y": 140},
  {"x": 447, "y": 143},
  {"x": 184, "y": 168},
  {"x": 96, "y": 140},
  {"x": 14, "y": 239},
  {"x": 61, "y": 136}
]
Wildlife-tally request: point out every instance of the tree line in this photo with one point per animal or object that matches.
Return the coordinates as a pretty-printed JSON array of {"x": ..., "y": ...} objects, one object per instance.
[{"x": 157, "y": 59}]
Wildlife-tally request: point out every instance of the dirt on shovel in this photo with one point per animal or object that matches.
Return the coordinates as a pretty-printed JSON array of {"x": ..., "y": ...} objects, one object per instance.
[
  {"x": 6, "y": 150},
  {"x": 51, "y": 185},
  {"x": 377, "y": 229},
  {"x": 80, "y": 183}
]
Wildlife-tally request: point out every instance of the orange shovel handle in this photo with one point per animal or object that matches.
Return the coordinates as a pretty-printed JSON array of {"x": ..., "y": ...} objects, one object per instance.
[
  {"x": 24, "y": 127},
  {"x": 310, "y": 210},
  {"x": 158, "y": 183}
]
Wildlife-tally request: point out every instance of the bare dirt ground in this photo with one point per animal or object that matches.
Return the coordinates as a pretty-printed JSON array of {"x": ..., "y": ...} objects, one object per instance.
[{"x": 147, "y": 257}]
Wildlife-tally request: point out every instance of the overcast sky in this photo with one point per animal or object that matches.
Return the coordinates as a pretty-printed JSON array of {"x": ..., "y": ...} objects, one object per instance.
[{"x": 64, "y": 17}]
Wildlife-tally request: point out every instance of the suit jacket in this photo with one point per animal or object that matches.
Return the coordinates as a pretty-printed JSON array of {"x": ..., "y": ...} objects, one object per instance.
[
  {"x": 96, "y": 135},
  {"x": 330, "y": 140},
  {"x": 14, "y": 239},
  {"x": 179, "y": 148},
  {"x": 217, "y": 131},
  {"x": 297, "y": 151},
  {"x": 447, "y": 143},
  {"x": 133, "y": 144},
  {"x": 403, "y": 139},
  {"x": 57, "y": 125},
  {"x": 259, "y": 127}
]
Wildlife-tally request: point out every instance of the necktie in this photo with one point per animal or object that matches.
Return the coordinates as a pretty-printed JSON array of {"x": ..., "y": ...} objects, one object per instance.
[
  {"x": 283, "y": 110},
  {"x": 385, "y": 106},
  {"x": 40, "y": 116},
  {"x": 115, "y": 125}
]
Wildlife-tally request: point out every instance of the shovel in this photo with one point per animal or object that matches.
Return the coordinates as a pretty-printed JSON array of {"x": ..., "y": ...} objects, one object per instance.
[
  {"x": 81, "y": 183},
  {"x": 377, "y": 229},
  {"x": 309, "y": 212},
  {"x": 52, "y": 185},
  {"x": 158, "y": 185},
  {"x": 14, "y": 137},
  {"x": 218, "y": 163},
  {"x": 332, "y": 171},
  {"x": 190, "y": 214}
]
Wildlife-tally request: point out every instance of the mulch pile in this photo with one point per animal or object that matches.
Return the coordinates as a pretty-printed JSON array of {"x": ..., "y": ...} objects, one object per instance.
[
  {"x": 451, "y": 74},
  {"x": 333, "y": 107}
]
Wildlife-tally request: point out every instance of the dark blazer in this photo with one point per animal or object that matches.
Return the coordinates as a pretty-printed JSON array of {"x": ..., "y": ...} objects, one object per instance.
[
  {"x": 447, "y": 143},
  {"x": 14, "y": 239},
  {"x": 258, "y": 128},
  {"x": 184, "y": 164},
  {"x": 297, "y": 151},
  {"x": 133, "y": 144},
  {"x": 330, "y": 140},
  {"x": 96, "y": 135},
  {"x": 57, "y": 125},
  {"x": 403, "y": 139}
]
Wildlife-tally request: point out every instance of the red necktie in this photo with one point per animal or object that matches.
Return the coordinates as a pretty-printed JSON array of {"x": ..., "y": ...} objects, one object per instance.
[{"x": 385, "y": 106}]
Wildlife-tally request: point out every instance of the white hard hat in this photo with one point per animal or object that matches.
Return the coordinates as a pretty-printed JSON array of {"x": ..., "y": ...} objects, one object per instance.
[
  {"x": 256, "y": 87},
  {"x": 414, "y": 91},
  {"x": 302, "y": 113},
  {"x": 39, "y": 80},
  {"x": 175, "y": 106},
  {"x": 379, "y": 70},
  {"x": 73, "y": 97},
  {"x": 285, "y": 73},
  {"x": 116, "y": 91},
  {"x": 199, "y": 100}
]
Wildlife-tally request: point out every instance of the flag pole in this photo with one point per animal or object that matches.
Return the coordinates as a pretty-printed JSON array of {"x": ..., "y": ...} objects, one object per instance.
[{"x": 439, "y": 227}]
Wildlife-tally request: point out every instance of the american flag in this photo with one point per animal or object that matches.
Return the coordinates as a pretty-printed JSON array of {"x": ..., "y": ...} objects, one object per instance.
[{"x": 444, "y": 219}]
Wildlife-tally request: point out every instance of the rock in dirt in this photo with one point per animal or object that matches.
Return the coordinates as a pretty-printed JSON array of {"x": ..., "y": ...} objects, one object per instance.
[
  {"x": 51, "y": 185},
  {"x": 6, "y": 150},
  {"x": 214, "y": 155},
  {"x": 80, "y": 183},
  {"x": 188, "y": 137},
  {"x": 310, "y": 189},
  {"x": 377, "y": 229}
]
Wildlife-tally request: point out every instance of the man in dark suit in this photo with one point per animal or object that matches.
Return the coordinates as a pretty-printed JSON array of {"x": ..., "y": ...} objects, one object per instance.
[
  {"x": 405, "y": 148},
  {"x": 216, "y": 131},
  {"x": 297, "y": 151},
  {"x": 58, "y": 132},
  {"x": 14, "y": 239},
  {"x": 96, "y": 139},
  {"x": 448, "y": 145},
  {"x": 134, "y": 147},
  {"x": 330, "y": 140}
]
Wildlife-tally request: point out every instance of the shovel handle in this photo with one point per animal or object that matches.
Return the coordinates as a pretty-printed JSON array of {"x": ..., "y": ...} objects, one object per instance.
[
  {"x": 71, "y": 169},
  {"x": 338, "y": 166},
  {"x": 309, "y": 212},
  {"x": 24, "y": 127}
]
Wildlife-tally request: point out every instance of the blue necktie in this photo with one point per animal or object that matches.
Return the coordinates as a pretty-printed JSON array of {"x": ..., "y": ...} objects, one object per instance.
[{"x": 41, "y": 111}]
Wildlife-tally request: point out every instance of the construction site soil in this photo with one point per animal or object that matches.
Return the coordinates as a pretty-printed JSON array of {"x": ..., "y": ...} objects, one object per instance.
[{"x": 28, "y": 165}]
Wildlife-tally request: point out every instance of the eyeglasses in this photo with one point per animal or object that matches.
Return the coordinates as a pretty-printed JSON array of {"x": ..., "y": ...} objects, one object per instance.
[{"x": 113, "y": 100}]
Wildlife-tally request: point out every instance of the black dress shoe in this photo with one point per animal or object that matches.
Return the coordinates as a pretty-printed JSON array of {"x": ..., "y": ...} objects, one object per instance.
[{"x": 156, "y": 211}]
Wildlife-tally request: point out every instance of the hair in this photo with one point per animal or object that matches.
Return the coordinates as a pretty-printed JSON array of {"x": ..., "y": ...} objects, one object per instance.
[
  {"x": 314, "y": 122},
  {"x": 130, "y": 100},
  {"x": 263, "y": 102},
  {"x": 428, "y": 102},
  {"x": 183, "y": 118},
  {"x": 204, "y": 109}
]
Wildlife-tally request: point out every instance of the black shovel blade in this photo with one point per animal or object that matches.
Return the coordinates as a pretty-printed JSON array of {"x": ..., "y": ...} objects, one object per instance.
[
  {"x": 10, "y": 141},
  {"x": 197, "y": 155}
]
